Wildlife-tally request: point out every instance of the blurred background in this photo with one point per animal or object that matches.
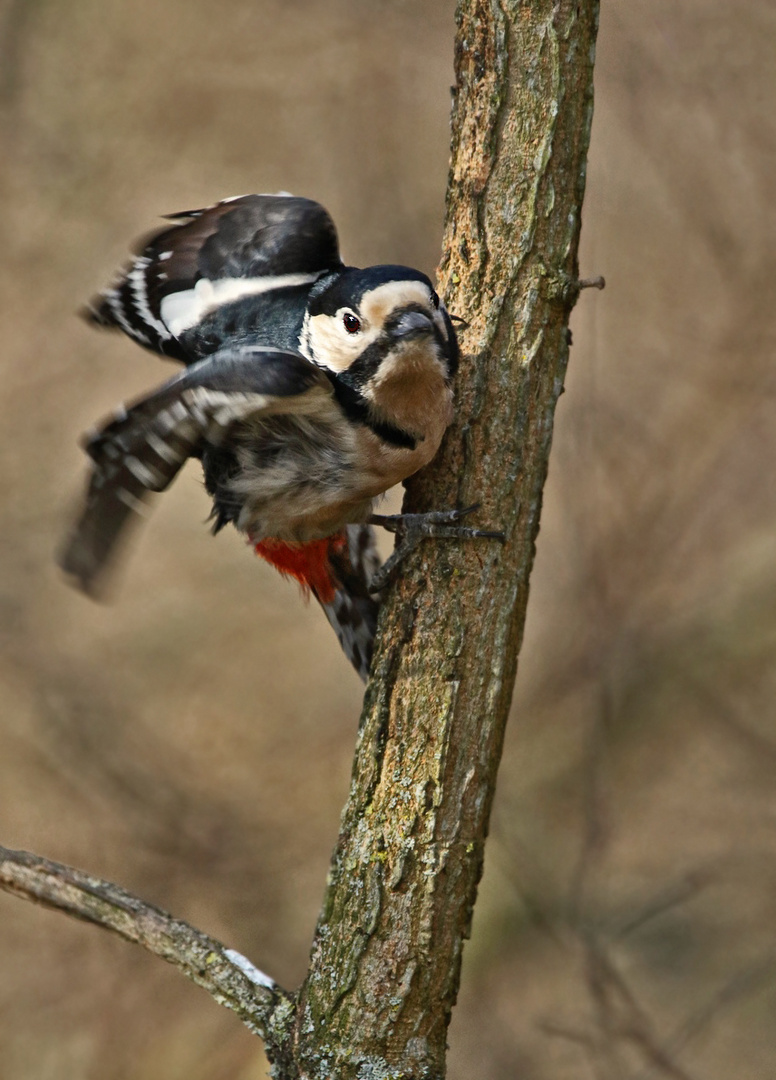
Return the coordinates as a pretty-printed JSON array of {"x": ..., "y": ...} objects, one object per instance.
[{"x": 192, "y": 740}]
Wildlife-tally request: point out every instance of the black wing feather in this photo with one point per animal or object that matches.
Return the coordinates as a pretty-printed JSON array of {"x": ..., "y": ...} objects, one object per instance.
[
  {"x": 252, "y": 236},
  {"x": 142, "y": 448}
]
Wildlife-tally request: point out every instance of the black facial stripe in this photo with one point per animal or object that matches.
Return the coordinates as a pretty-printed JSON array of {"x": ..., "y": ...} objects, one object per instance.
[
  {"x": 355, "y": 406},
  {"x": 365, "y": 366},
  {"x": 389, "y": 433},
  {"x": 449, "y": 348}
]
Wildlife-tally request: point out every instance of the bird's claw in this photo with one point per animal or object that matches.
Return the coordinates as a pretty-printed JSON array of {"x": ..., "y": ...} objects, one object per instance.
[{"x": 410, "y": 529}]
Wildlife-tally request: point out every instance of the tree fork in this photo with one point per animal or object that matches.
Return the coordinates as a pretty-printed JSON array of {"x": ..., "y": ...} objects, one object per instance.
[{"x": 386, "y": 958}]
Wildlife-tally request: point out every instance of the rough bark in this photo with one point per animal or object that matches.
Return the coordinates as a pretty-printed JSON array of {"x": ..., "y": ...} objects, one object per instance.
[
  {"x": 386, "y": 960},
  {"x": 228, "y": 977}
]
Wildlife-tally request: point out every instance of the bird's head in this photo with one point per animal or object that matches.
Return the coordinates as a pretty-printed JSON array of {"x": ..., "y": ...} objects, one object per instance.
[{"x": 373, "y": 326}]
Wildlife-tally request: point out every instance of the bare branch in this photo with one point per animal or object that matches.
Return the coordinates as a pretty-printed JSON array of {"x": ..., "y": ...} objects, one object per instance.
[
  {"x": 673, "y": 896},
  {"x": 621, "y": 1016},
  {"x": 226, "y": 975},
  {"x": 743, "y": 983}
]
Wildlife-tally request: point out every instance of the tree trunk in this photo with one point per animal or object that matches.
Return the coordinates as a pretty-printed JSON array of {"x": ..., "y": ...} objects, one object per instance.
[{"x": 386, "y": 959}]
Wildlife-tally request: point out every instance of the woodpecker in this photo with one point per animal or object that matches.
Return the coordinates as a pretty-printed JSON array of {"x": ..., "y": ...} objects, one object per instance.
[{"x": 309, "y": 388}]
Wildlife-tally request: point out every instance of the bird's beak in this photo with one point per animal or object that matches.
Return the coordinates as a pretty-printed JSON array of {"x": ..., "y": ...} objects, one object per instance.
[{"x": 412, "y": 324}]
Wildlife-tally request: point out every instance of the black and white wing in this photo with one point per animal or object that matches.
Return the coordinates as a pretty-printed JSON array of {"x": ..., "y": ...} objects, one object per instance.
[
  {"x": 238, "y": 248},
  {"x": 142, "y": 449}
]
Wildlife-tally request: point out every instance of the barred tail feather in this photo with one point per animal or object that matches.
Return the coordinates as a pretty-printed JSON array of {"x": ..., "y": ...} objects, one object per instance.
[
  {"x": 353, "y": 612},
  {"x": 337, "y": 571}
]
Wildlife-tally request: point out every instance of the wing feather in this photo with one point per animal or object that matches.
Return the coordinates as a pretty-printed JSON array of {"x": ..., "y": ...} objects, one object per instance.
[
  {"x": 143, "y": 447},
  {"x": 238, "y": 247}
]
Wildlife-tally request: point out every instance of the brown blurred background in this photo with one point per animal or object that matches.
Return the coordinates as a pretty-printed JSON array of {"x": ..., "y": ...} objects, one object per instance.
[{"x": 193, "y": 740}]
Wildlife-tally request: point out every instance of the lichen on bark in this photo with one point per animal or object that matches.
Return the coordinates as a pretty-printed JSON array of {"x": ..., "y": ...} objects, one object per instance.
[
  {"x": 386, "y": 959},
  {"x": 385, "y": 963}
]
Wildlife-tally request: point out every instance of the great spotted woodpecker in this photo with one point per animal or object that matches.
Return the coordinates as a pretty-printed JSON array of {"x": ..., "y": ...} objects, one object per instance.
[{"x": 310, "y": 388}]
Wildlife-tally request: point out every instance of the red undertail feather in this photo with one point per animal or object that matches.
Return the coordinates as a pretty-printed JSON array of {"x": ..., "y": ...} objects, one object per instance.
[{"x": 308, "y": 563}]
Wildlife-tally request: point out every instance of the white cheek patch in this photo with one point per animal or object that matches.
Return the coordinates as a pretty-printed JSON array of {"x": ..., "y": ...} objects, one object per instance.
[
  {"x": 327, "y": 343},
  {"x": 185, "y": 309}
]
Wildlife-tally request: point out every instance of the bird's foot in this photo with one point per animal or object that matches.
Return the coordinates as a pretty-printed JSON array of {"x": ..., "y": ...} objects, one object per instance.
[{"x": 411, "y": 529}]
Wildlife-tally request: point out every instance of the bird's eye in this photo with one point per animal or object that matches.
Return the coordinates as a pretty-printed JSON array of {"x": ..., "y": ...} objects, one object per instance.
[
  {"x": 351, "y": 323},
  {"x": 435, "y": 299}
]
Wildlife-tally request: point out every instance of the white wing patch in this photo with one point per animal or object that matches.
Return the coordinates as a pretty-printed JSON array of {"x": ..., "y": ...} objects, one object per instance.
[{"x": 185, "y": 309}]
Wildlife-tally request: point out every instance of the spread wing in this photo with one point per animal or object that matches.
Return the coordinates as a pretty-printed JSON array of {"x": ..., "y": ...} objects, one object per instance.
[
  {"x": 142, "y": 449},
  {"x": 236, "y": 248}
]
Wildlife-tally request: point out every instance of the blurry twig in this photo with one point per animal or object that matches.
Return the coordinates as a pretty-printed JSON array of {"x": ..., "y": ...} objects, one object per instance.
[
  {"x": 729, "y": 717},
  {"x": 593, "y": 1046},
  {"x": 742, "y": 983},
  {"x": 673, "y": 896},
  {"x": 595, "y": 824},
  {"x": 621, "y": 1016},
  {"x": 226, "y": 975}
]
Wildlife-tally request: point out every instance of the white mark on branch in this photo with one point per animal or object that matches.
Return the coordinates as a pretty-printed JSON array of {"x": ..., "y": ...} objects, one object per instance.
[
  {"x": 219, "y": 971},
  {"x": 258, "y": 978}
]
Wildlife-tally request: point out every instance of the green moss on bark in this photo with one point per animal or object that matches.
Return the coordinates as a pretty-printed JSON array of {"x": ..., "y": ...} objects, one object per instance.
[{"x": 386, "y": 959}]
